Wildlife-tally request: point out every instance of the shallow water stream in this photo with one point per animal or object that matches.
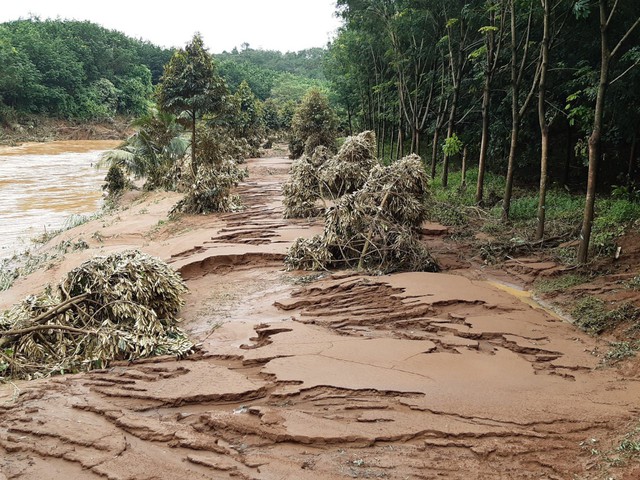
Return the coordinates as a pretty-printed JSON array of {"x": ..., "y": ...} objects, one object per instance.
[{"x": 42, "y": 184}]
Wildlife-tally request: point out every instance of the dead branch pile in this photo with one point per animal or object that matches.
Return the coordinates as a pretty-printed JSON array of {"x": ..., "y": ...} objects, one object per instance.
[
  {"x": 347, "y": 171},
  {"x": 120, "y": 307},
  {"x": 210, "y": 191},
  {"x": 326, "y": 176},
  {"x": 302, "y": 190},
  {"x": 375, "y": 228}
]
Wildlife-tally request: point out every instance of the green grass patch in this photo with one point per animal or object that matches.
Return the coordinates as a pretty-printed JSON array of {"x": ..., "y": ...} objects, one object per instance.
[
  {"x": 634, "y": 283},
  {"x": 561, "y": 283},
  {"x": 592, "y": 316},
  {"x": 619, "y": 351}
]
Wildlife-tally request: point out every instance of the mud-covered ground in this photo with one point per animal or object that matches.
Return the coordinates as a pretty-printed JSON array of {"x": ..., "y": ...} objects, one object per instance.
[{"x": 322, "y": 376}]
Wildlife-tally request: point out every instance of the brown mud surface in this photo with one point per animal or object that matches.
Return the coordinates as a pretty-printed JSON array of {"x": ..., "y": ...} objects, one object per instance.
[{"x": 321, "y": 375}]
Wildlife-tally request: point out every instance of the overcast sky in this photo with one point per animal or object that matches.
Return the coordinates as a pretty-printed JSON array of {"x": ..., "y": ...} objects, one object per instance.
[{"x": 285, "y": 25}]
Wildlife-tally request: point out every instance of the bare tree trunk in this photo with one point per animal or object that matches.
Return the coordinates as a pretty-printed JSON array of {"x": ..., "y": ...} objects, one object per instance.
[
  {"x": 569, "y": 157},
  {"x": 463, "y": 181},
  {"x": 194, "y": 163},
  {"x": 484, "y": 141},
  {"x": 382, "y": 139},
  {"x": 452, "y": 117},
  {"x": 434, "y": 151},
  {"x": 391, "y": 150},
  {"x": 506, "y": 203},
  {"x": 632, "y": 159},
  {"x": 594, "y": 138},
  {"x": 544, "y": 127}
]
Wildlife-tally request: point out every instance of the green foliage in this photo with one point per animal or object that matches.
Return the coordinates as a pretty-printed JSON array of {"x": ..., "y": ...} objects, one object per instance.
[
  {"x": 189, "y": 83},
  {"x": 615, "y": 216},
  {"x": 151, "y": 152},
  {"x": 619, "y": 351},
  {"x": 115, "y": 181},
  {"x": 314, "y": 123},
  {"x": 591, "y": 315},
  {"x": 191, "y": 88},
  {"x": 452, "y": 145},
  {"x": 75, "y": 69},
  {"x": 559, "y": 284},
  {"x": 248, "y": 119}
]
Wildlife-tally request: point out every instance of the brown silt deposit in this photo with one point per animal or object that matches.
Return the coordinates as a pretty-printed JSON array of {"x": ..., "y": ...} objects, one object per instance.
[{"x": 304, "y": 375}]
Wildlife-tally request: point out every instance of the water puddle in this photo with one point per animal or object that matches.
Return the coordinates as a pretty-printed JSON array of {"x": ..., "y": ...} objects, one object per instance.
[
  {"x": 42, "y": 184},
  {"x": 525, "y": 296}
]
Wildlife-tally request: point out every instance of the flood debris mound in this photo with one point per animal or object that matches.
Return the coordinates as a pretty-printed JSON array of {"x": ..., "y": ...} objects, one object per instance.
[
  {"x": 302, "y": 190},
  {"x": 210, "y": 190},
  {"x": 208, "y": 182},
  {"x": 118, "y": 307},
  {"x": 347, "y": 171},
  {"x": 322, "y": 176},
  {"x": 375, "y": 228}
]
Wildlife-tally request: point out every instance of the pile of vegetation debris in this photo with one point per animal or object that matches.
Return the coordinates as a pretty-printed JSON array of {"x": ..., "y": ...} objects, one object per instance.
[
  {"x": 118, "y": 307},
  {"x": 312, "y": 179},
  {"x": 375, "y": 228}
]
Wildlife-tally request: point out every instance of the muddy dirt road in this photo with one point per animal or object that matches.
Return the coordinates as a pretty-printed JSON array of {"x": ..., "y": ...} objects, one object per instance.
[{"x": 405, "y": 376}]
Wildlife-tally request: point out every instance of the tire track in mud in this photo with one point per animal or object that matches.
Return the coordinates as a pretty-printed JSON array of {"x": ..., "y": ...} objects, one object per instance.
[{"x": 400, "y": 376}]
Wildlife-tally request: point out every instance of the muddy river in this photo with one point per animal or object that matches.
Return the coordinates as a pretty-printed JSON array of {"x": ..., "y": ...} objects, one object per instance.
[{"x": 43, "y": 184}]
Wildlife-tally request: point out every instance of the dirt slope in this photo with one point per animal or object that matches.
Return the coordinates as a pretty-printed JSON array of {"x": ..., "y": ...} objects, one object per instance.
[{"x": 412, "y": 375}]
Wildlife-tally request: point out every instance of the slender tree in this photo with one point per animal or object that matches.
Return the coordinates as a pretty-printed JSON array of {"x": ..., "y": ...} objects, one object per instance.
[
  {"x": 518, "y": 108},
  {"x": 542, "y": 120},
  {"x": 607, "y": 55},
  {"x": 190, "y": 88},
  {"x": 493, "y": 35}
]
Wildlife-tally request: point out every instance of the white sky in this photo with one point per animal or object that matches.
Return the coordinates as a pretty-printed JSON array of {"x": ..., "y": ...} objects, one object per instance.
[{"x": 285, "y": 25}]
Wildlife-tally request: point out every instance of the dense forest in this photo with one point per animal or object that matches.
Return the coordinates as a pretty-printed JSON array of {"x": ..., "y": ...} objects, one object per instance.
[
  {"x": 75, "y": 69},
  {"x": 80, "y": 70},
  {"x": 544, "y": 90}
]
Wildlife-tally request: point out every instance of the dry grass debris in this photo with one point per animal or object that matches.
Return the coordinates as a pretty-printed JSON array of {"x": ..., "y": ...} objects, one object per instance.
[
  {"x": 347, "y": 171},
  {"x": 118, "y": 307},
  {"x": 375, "y": 228}
]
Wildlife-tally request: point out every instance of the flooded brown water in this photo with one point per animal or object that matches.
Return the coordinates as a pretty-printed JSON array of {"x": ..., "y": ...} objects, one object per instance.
[{"x": 42, "y": 184}]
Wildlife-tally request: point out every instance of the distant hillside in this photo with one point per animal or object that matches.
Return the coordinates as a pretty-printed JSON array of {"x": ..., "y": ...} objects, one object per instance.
[
  {"x": 80, "y": 70},
  {"x": 74, "y": 69},
  {"x": 273, "y": 74}
]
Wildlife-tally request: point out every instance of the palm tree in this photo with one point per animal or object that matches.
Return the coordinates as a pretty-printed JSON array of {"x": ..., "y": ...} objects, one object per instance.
[{"x": 152, "y": 151}]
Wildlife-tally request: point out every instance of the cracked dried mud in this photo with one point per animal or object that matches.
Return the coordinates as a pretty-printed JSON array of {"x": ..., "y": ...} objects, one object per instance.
[{"x": 336, "y": 375}]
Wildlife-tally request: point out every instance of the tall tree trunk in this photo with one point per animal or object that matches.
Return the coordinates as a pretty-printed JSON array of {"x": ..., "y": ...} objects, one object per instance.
[
  {"x": 450, "y": 127},
  {"x": 544, "y": 127},
  {"x": 595, "y": 137},
  {"x": 434, "y": 152},
  {"x": 569, "y": 157},
  {"x": 506, "y": 203},
  {"x": 391, "y": 149},
  {"x": 484, "y": 141},
  {"x": 632, "y": 159},
  {"x": 463, "y": 181},
  {"x": 194, "y": 163},
  {"x": 382, "y": 139}
]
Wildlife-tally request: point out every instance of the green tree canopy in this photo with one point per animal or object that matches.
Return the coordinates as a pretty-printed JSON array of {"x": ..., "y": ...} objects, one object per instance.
[{"x": 190, "y": 87}]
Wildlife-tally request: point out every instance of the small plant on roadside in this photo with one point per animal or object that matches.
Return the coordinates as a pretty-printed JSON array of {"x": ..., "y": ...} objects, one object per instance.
[
  {"x": 590, "y": 315},
  {"x": 619, "y": 351},
  {"x": 634, "y": 283}
]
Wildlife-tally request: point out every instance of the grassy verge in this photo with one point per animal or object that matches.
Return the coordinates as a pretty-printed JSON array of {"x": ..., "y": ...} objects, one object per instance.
[{"x": 455, "y": 206}]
